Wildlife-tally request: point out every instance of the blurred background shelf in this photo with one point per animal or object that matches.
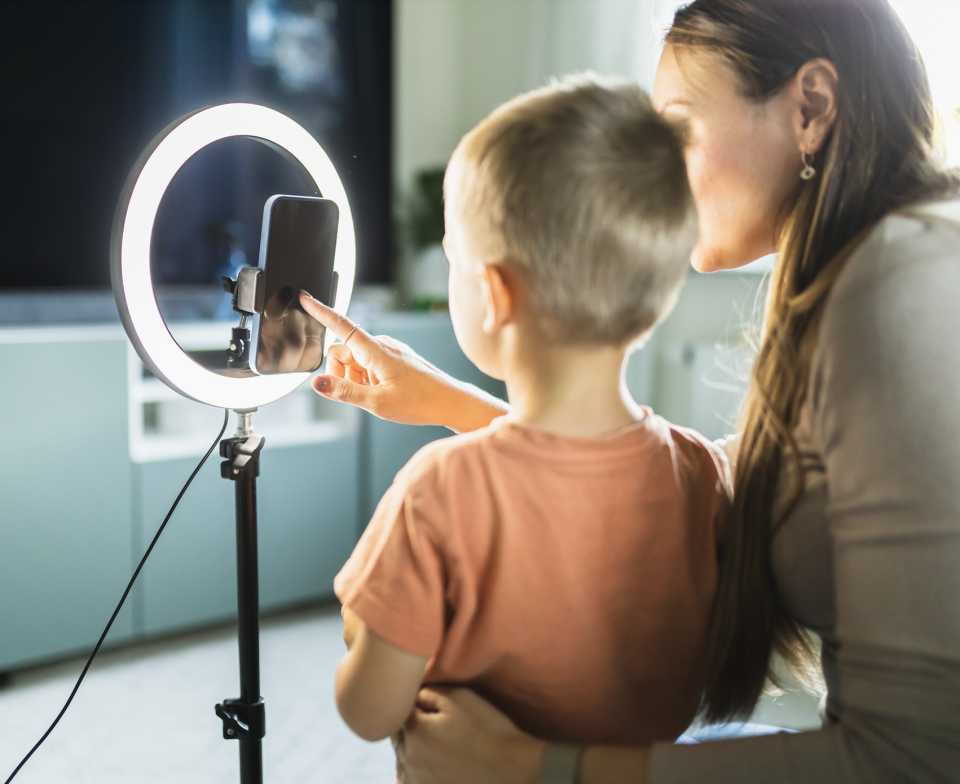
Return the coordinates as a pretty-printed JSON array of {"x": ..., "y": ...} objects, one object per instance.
[{"x": 163, "y": 425}]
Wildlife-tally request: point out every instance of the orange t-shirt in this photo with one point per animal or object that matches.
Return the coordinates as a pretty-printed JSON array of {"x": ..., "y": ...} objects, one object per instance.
[{"x": 567, "y": 580}]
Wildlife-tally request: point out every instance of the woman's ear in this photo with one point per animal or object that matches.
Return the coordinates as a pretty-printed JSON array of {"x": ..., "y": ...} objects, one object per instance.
[
  {"x": 815, "y": 90},
  {"x": 498, "y": 289}
]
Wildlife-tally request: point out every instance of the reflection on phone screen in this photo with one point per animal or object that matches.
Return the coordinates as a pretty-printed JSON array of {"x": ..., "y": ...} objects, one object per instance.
[{"x": 300, "y": 243}]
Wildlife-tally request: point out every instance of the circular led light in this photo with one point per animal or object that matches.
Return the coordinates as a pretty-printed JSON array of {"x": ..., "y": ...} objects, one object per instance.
[{"x": 133, "y": 229}]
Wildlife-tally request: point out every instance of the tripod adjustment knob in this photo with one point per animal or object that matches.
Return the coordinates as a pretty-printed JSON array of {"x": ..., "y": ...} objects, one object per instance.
[
  {"x": 241, "y": 720},
  {"x": 238, "y": 354},
  {"x": 242, "y": 455}
]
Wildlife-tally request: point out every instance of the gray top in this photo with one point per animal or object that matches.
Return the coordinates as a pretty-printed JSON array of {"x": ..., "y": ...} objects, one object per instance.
[{"x": 870, "y": 559}]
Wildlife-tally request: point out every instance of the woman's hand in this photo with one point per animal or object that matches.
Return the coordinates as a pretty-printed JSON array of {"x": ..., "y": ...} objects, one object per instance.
[
  {"x": 455, "y": 737},
  {"x": 387, "y": 378}
]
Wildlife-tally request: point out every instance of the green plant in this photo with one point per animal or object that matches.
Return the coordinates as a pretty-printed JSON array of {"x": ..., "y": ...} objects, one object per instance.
[{"x": 425, "y": 219}]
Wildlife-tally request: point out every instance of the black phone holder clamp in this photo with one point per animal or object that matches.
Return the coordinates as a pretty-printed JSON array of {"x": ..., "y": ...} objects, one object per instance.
[{"x": 248, "y": 292}]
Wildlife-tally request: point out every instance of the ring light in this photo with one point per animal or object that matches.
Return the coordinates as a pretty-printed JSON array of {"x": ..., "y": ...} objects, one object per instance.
[{"x": 133, "y": 229}]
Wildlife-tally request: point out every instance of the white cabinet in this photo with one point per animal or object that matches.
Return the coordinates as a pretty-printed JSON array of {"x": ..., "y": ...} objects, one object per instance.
[
  {"x": 308, "y": 496},
  {"x": 95, "y": 450},
  {"x": 65, "y": 490},
  {"x": 307, "y": 523}
]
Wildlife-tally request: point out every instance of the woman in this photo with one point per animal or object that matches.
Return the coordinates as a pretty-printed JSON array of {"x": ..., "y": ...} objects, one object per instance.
[{"x": 810, "y": 130}]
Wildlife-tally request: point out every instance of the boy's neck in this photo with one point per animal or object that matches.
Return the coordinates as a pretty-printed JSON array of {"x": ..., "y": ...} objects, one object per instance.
[{"x": 575, "y": 390}]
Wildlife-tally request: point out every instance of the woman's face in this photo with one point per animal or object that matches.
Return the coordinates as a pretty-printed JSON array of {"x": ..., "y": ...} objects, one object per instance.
[{"x": 743, "y": 157}]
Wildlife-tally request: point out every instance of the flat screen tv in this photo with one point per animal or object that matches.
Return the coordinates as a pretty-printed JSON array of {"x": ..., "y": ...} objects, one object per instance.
[{"x": 88, "y": 83}]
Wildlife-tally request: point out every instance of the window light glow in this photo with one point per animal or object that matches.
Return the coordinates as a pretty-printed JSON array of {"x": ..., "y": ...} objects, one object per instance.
[
  {"x": 133, "y": 229},
  {"x": 933, "y": 25}
]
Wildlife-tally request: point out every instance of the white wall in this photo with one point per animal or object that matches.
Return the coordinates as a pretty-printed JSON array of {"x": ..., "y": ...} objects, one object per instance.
[{"x": 456, "y": 60}]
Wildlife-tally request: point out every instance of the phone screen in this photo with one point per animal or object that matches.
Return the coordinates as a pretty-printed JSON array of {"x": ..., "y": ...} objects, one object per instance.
[{"x": 297, "y": 252}]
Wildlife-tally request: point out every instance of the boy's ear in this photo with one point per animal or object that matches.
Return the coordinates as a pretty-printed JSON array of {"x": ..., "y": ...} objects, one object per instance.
[{"x": 498, "y": 289}]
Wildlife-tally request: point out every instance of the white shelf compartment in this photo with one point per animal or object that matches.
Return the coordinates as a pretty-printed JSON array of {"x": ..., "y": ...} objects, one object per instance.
[{"x": 163, "y": 425}]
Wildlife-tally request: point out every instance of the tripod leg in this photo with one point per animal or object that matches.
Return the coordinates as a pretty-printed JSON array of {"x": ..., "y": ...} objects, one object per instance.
[{"x": 248, "y": 606}]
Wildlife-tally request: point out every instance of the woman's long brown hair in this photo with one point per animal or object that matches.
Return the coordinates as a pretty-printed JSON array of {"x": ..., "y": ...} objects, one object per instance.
[{"x": 878, "y": 158}]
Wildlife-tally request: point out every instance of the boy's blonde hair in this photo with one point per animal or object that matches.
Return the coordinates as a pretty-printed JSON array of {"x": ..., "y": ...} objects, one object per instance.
[{"x": 583, "y": 188}]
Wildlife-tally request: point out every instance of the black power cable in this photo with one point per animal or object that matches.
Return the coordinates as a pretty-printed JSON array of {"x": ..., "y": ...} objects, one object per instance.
[{"x": 226, "y": 419}]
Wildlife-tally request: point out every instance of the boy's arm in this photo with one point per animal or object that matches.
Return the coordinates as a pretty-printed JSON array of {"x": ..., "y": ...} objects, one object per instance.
[
  {"x": 377, "y": 684},
  {"x": 351, "y": 624}
]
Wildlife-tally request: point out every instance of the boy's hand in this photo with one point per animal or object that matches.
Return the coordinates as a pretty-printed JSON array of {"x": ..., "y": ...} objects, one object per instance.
[
  {"x": 389, "y": 379},
  {"x": 351, "y": 624}
]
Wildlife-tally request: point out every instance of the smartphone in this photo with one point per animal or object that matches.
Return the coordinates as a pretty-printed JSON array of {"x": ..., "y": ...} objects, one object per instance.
[{"x": 297, "y": 248}]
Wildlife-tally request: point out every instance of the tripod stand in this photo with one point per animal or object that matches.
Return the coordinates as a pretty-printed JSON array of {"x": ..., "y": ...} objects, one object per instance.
[
  {"x": 244, "y": 718},
  {"x": 235, "y": 388}
]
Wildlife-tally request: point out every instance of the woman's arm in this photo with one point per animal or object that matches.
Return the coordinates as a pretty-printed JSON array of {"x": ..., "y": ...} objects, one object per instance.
[
  {"x": 390, "y": 380},
  {"x": 455, "y": 737}
]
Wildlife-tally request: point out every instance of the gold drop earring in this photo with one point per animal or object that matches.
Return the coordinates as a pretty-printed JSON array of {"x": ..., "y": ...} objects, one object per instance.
[{"x": 808, "y": 170}]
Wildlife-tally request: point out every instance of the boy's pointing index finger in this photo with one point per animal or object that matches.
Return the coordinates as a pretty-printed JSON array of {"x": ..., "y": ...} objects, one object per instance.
[{"x": 339, "y": 325}]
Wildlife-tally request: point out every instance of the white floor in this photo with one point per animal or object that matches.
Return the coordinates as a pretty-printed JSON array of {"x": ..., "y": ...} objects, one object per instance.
[{"x": 145, "y": 714}]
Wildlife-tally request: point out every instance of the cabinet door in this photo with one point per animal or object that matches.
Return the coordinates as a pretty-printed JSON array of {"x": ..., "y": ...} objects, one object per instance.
[
  {"x": 191, "y": 576},
  {"x": 65, "y": 534},
  {"x": 307, "y": 500}
]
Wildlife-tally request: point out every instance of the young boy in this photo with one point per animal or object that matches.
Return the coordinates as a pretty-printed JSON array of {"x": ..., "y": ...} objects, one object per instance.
[{"x": 562, "y": 561}]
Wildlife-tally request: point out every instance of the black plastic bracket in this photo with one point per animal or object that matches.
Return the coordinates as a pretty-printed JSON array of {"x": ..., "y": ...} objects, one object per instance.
[
  {"x": 242, "y": 456},
  {"x": 238, "y": 355},
  {"x": 248, "y": 290},
  {"x": 242, "y": 721}
]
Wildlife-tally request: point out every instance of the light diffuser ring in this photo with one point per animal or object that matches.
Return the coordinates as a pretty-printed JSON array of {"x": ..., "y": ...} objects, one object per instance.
[{"x": 133, "y": 229}]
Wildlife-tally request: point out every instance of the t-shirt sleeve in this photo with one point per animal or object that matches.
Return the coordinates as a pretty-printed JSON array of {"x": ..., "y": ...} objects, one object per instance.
[
  {"x": 394, "y": 580},
  {"x": 731, "y": 447},
  {"x": 712, "y": 485},
  {"x": 884, "y": 393},
  {"x": 722, "y": 493}
]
